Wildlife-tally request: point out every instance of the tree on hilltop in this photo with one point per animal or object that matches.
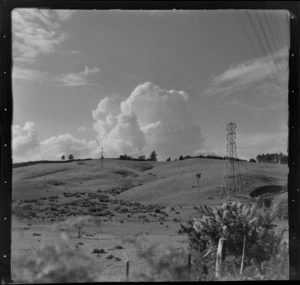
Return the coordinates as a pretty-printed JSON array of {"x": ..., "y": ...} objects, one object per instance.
[
  {"x": 71, "y": 157},
  {"x": 63, "y": 157},
  {"x": 153, "y": 156}
]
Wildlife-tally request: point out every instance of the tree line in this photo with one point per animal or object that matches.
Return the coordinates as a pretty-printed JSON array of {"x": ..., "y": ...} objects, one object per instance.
[
  {"x": 205, "y": 156},
  {"x": 152, "y": 157},
  {"x": 272, "y": 158}
]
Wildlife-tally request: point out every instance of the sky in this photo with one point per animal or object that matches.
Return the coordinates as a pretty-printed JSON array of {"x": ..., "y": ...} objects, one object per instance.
[{"x": 135, "y": 81}]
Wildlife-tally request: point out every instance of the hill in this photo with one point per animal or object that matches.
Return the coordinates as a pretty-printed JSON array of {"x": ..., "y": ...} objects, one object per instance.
[{"x": 167, "y": 183}]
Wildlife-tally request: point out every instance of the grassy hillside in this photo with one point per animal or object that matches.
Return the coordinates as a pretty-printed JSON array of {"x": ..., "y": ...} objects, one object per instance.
[
  {"x": 176, "y": 181},
  {"x": 168, "y": 183}
]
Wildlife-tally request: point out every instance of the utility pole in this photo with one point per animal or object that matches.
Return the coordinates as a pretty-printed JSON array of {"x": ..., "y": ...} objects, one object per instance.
[
  {"x": 102, "y": 157},
  {"x": 198, "y": 176},
  {"x": 232, "y": 183}
]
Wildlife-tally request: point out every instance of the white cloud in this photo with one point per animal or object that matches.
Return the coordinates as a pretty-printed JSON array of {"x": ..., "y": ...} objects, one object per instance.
[
  {"x": 25, "y": 140},
  {"x": 151, "y": 118},
  {"x": 27, "y": 145},
  {"x": 34, "y": 75},
  {"x": 64, "y": 14},
  {"x": 251, "y": 73},
  {"x": 82, "y": 129},
  {"x": 258, "y": 109},
  {"x": 68, "y": 79},
  {"x": 56, "y": 146},
  {"x": 78, "y": 79},
  {"x": 36, "y": 32}
]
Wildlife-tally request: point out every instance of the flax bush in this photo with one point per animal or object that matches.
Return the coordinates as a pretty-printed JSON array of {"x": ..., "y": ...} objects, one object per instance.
[
  {"x": 233, "y": 222},
  {"x": 279, "y": 209}
]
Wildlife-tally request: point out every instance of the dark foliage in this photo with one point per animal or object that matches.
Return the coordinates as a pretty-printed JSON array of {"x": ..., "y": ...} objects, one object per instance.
[
  {"x": 272, "y": 158},
  {"x": 233, "y": 222}
]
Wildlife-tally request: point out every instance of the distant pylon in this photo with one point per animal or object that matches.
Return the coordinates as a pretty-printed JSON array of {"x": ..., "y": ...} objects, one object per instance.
[
  {"x": 232, "y": 182},
  {"x": 102, "y": 157}
]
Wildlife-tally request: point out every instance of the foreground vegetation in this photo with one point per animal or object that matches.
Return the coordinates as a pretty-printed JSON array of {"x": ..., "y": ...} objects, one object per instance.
[{"x": 265, "y": 254}]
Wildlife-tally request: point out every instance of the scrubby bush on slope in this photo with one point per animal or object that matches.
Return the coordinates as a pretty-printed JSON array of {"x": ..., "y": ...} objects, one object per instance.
[
  {"x": 280, "y": 208},
  {"x": 233, "y": 222}
]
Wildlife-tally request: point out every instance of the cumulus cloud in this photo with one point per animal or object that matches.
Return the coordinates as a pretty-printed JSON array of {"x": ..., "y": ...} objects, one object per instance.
[
  {"x": 151, "y": 118},
  {"x": 28, "y": 146},
  {"x": 25, "y": 140},
  {"x": 65, "y": 144}
]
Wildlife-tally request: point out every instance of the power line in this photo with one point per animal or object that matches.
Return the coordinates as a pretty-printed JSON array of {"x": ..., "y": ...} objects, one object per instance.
[
  {"x": 251, "y": 43},
  {"x": 271, "y": 75},
  {"x": 273, "y": 36},
  {"x": 270, "y": 50},
  {"x": 275, "y": 22},
  {"x": 280, "y": 35}
]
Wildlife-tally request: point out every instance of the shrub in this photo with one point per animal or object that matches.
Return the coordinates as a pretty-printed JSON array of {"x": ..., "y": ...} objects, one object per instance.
[
  {"x": 233, "y": 222},
  {"x": 280, "y": 208},
  {"x": 54, "y": 264},
  {"x": 77, "y": 223},
  {"x": 172, "y": 266}
]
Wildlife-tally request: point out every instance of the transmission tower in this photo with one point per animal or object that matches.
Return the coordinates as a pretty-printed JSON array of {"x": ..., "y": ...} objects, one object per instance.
[
  {"x": 232, "y": 182},
  {"x": 102, "y": 157}
]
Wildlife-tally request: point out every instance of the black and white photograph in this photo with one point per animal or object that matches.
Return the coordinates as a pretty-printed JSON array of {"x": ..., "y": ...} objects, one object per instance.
[{"x": 150, "y": 145}]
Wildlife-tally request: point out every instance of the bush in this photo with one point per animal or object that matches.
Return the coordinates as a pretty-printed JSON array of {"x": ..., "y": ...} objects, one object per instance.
[
  {"x": 280, "y": 208},
  {"x": 233, "y": 222},
  {"x": 54, "y": 264},
  {"x": 77, "y": 223},
  {"x": 171, "y": 266}
]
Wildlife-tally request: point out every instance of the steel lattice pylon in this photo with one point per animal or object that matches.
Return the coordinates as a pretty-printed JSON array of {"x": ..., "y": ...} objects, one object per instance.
[{"x": 232, "y": 182}]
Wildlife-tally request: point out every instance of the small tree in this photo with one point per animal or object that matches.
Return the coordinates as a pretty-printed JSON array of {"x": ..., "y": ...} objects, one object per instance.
[
  {"x": 252, "y": 160},
  {"x": 71, "y": 157},
  {"x": 169, "y": 159},
  {"x": 142, "y": 157},
  {"x": 181, "y": 157},
  {"x": 153, "y": 156},
  {"x": 63, "y": 157}
]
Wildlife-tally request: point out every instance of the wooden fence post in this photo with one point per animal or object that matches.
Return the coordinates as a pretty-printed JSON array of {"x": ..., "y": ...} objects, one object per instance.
[
  {"x": 189, "y": 265},
  {"x": 127, "y": 270},
  {"x": 242, "y": 264},
  {"x": 220, "y": 257}
]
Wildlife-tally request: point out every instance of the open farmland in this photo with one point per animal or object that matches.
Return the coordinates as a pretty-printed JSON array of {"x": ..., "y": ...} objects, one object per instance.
[{"x": 145, "y": 201}]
